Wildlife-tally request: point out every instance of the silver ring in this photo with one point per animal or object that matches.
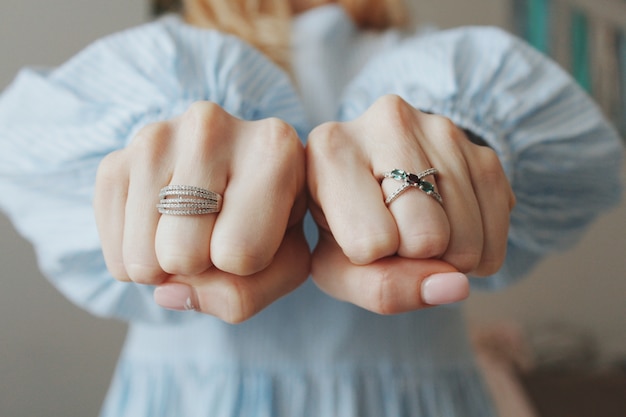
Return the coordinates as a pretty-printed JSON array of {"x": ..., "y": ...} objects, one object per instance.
[
  {"x": 412, "y": 180},
  {"x": 187, "y": 200}
]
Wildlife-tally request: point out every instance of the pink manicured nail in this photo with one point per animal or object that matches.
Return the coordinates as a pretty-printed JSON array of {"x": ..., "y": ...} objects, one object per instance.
[
  {"x": 175, "y": 296},
  {"x": 445, "y": 288}
]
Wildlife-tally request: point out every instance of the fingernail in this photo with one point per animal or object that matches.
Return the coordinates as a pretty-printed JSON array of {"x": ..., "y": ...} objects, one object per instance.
[
  {"x": 175, "y": 296},
  {"x": 445, "y": 288}
]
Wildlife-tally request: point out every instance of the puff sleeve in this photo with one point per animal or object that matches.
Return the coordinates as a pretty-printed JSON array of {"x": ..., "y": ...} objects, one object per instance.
[
  {"x": 561, "y": 156},
  {"x": 56, "y": 126}
]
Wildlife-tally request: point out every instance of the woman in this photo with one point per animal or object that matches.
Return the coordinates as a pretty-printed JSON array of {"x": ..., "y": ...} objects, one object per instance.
[{"x": 182, "y": 109}]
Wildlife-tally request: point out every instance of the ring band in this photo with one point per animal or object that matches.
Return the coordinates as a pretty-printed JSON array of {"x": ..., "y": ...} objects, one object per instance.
[
  {"x": 412, "y": 180},
  {"x": 187, "y": 200}
]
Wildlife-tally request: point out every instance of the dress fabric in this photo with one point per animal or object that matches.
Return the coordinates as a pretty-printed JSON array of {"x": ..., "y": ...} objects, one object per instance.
[{"x": 307, "y": 354}]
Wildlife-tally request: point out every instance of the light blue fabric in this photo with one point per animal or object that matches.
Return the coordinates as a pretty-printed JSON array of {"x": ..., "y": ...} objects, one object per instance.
[{"x": 306, "y": 354}]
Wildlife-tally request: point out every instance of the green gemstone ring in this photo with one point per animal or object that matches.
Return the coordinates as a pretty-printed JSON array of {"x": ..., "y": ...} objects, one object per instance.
[{"x": 412, "y": 180}]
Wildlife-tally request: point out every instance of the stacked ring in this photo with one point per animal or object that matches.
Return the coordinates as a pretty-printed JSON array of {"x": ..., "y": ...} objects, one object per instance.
[
  {"x": 187, "y": 200},
  {"x": 412, "y": 180}
]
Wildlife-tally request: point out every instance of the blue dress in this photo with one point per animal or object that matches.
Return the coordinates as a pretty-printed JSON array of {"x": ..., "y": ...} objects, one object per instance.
[{"x": 307, "y": 354}]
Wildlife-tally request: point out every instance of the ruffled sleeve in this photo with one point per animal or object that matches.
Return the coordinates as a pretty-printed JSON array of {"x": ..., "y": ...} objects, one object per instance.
[
  {"x": 56, "y": 126},
  {"x": 562, "y": 157}
]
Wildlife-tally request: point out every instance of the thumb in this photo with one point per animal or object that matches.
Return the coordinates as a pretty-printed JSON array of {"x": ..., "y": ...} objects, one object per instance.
[{"x": 389, "y": 285}]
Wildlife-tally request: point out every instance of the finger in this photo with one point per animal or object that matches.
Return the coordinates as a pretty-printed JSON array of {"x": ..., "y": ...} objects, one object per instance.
[
  {"x": 183, "y": 242},
  {"x": 388, "y": 286},
  {"x": 343, "y": 186},
  {"x": 109, "y": 204},
  {"x": 396, "y": 143},
  {"x": 496, "y": 200},
  {"x": 147, "y": 173},
  {"x": 422, "y": 223},
  {"x": 235, "y": 298},
  {"x": 449, "y": 149},
  {"x": 264, "y": 182}
]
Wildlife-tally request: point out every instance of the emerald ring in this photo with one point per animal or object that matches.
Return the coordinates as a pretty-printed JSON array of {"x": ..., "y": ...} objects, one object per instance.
[{"x": 412, "y": 180}]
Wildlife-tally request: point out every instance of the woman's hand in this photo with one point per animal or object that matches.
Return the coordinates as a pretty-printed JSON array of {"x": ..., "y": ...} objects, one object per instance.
[
  {"x": 230, "y": 264},
  {"x": 414, "y": 252}
]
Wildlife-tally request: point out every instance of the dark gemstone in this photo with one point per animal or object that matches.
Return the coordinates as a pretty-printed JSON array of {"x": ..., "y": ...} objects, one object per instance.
[{"x": 413, "y": 179}]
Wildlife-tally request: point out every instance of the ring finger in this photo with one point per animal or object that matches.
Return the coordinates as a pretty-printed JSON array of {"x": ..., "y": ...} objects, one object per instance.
[{"x": 422, "y": 223}]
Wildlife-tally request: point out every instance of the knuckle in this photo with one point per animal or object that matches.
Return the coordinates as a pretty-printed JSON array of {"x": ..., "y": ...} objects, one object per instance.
[
  {"x": 426, "y": 244},
  {"x": 465, "y": 261},
  {"x": 239, "y": 303},
  {"x": 365, "y": 250},
  {"x": 488, "y": 266},
  {"x": 149, "y": 145},
  {"x": 323, "y": 139},
  {"x": 203, "y": 114},
  {"x": 444, "y": 126},
  {"x": 390, "y": 102},
  {"x": 492, "y": 176},
  {"x": 110, "y": 168},
  {"x": 145, "y": 274},
  {"x": 279, "y": 132},
  {"x": 151, "y": 136},
  {"x": 118, "y": 271},
  {"x": 380, "y": 299},
  {"x": 203, "y": 121},
  {"x": 395, "y": 110},
  {"x": 242, "y": 261},
  {"x": 111, "y": 180},
  {"x": 331, "y": 145},
  {"x": 491, "y": 171},
  {"x": 446, "y": 134},
  {"x": 278, "y": 141},
  {"x": 179, "y": 262},
  {"x": 443, "y": 129}
]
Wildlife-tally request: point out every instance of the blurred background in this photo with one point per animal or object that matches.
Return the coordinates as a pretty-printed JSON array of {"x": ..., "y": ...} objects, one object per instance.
[{"x": 56, "y": 360}]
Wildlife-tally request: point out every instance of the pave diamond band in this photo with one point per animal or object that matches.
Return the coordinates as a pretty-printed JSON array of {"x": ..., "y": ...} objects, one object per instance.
[{"x": 187, "y": 200}]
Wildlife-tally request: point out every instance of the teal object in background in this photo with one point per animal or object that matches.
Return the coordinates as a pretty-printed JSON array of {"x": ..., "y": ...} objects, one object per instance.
[
  {"x": 537, "y": 31},
  {"x": 538, "y": 23},
  {"x": 621, "y": 123},
  {"x": 580, "y": 50}
]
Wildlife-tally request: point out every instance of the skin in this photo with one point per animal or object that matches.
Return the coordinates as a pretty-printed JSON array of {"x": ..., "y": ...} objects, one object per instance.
[
  {"x": 231, "y": 265},
  {"x": 412, "y": 254},
  {"x": 386, "y": 258}
]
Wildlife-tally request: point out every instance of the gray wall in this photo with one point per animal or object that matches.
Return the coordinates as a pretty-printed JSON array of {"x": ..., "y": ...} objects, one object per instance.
[{"x": 55, "y": 360}]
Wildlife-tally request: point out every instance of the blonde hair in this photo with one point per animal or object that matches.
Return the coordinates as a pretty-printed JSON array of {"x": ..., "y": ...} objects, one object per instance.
[
  {"x": 265, "y": 24},
  {"x": 376, "y": 14}
]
